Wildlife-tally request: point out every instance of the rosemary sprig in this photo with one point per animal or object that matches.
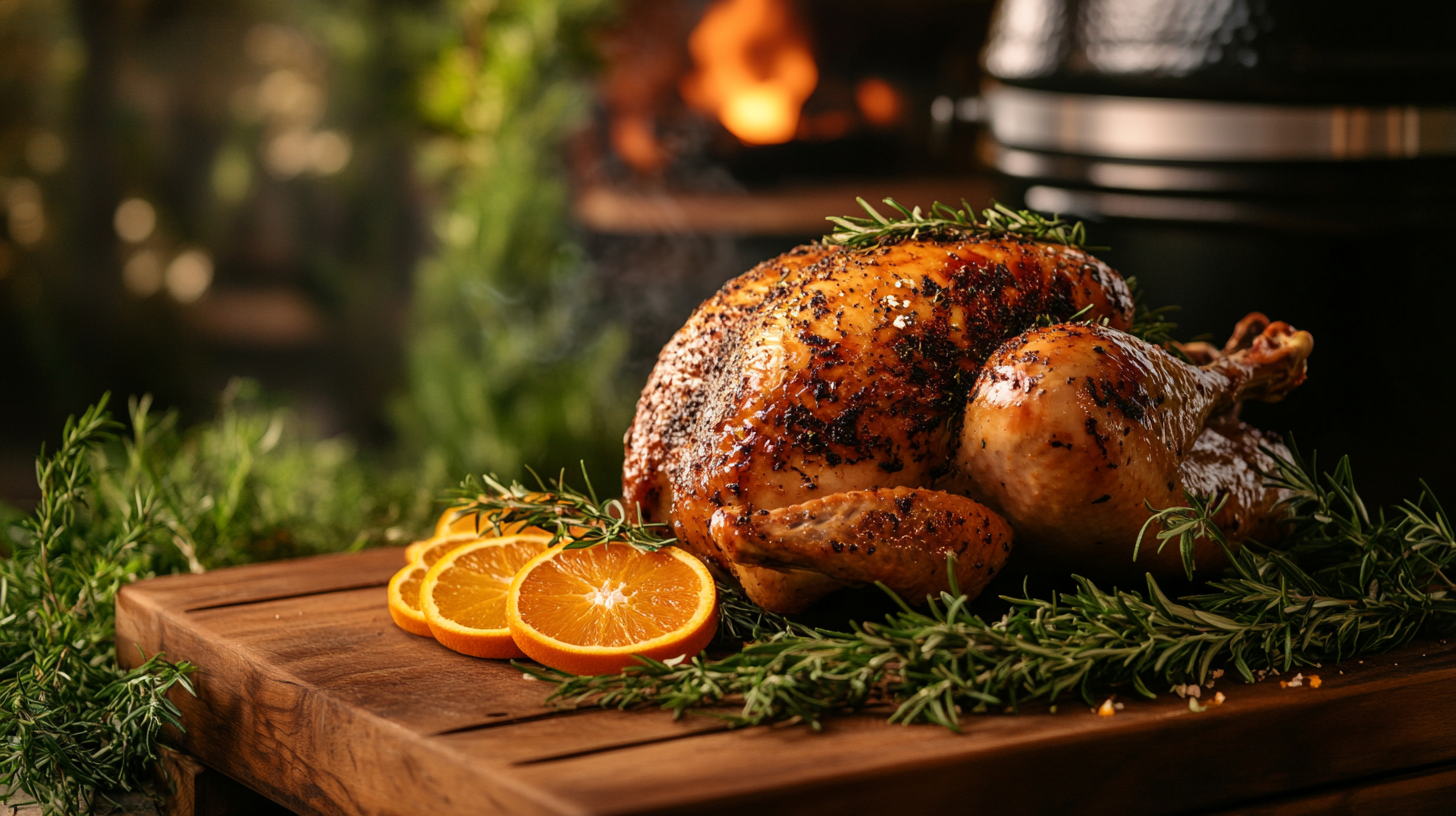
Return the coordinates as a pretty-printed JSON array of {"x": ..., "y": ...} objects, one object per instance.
[
  {"x": 73, "y": 723},
  {"x": 114, "y": 508},
  {"x": 580, "y": 519},
  {"x": 1373, "y": 583},
  {"x": 740, "y": 620},
  {"x": 1186, "y": 523},
  {"x": 1044, "y": 320},
  {"x": 1152, "y": 325},
  {"x": 945, "y": 220}
]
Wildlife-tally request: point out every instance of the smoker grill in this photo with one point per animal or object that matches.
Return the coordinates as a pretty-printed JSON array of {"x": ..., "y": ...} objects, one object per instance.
[{"x": 1290, "y": 156}]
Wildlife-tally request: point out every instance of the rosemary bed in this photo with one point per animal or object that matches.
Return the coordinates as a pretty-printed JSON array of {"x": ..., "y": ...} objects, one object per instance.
[{"x": 310, "y": 695}]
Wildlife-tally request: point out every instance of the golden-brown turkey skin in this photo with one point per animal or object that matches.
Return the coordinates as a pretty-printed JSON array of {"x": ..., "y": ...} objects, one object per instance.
[
  {"x": 674, "y": 394},
  {"x": 830, "y": 370},
  {"x": 902, "y": 537},
  {"x": 1072, "y": 428}
]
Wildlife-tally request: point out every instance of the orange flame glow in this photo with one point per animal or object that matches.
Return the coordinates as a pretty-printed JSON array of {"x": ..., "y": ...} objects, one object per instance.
[{"x": 754, "y": 69}]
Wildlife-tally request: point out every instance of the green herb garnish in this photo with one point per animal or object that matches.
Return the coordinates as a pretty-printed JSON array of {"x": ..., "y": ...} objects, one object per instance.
[
  {"x": 118, "y": 507},
  {"x": 580, "y": 519},
  {"x": 1152, "y": 325},
  {"x": 72, "y": 721},
  {"x": 943, "y": 220},
  {"x": 1346, "y": 584},
  {"x": 1187, "y": 524}
]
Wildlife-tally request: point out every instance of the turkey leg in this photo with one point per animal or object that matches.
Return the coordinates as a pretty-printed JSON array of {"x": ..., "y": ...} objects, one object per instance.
[{"x": 1070, "y": 430}]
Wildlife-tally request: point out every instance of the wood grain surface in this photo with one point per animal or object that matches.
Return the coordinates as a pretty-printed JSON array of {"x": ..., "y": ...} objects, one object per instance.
[{"x": 308, "y": 693}]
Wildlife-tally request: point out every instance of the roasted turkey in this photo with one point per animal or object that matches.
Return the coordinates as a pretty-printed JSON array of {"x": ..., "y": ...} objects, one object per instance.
[{"x": 838, "y": 416}]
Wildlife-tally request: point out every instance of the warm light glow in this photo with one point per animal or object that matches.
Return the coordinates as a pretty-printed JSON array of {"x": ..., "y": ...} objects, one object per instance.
[
  {"x": 329, "y": 152},
  {"x": 25, "y": 212},
  {"x": 286, "y": 94},
  {"x": 878, "y": 101},
  {"x": 634, "y": 141},
  {"x": 142, "y": 275},
  {"x": 134, "y": 220},
  {"x": 287, "y": 154},
  {"x": 189, "y": 275},
  {"x": 754, "y": 69}
]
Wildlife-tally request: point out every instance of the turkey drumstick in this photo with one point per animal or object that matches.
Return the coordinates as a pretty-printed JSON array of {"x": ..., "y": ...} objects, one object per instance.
[{"x": 1070, "y": 429}]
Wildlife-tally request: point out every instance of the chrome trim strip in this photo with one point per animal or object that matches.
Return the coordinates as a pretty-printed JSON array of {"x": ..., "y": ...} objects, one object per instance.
[{"x": 1191, "y": 130}]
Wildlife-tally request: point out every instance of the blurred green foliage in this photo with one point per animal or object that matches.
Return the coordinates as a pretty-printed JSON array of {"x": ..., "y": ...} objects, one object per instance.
[
  {"x": 257, "y": 484},
  {"x": 153, "y": 499},
  {"x": 456, "y": 312},
  {"x": 510, "y": 365}
]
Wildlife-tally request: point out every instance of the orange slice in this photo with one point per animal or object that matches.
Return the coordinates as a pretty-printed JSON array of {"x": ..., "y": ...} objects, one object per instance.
[
  {"x": 404, "y": 587},
  {"x": 437, "y": 548},
  {"x": 412, "y": 551},
  {"x": 590, "y": 611},
  {"x": 456, "y": 520},
  {"x": 459, "y": 520},
  {"x": 404, "y": 599},
  {"x": 463, "y": 596},
  {"x": 463, "y": 519}
]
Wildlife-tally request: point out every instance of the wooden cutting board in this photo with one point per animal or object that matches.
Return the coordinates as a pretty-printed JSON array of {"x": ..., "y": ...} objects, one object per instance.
[{"x": 308, "y": 693}]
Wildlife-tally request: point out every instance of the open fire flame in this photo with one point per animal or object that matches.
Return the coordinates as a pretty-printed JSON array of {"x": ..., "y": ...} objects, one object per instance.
[{"x": 754, "y": 69}]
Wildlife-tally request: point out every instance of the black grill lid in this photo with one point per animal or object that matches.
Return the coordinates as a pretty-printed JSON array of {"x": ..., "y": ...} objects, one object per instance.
[{"x": 1397, "y": 52}]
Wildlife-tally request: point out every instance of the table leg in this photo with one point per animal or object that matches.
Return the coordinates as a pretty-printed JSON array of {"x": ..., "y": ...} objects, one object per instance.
[{"x": 193, "y": 789}]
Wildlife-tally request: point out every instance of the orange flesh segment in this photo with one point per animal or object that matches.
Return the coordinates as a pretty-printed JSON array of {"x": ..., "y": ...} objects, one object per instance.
[
  {"x": 478, "y": 525},
  {"x": 441, "y": 547},
  {"x": 609, "y": 595},
  {"x": 472, "y": 592},
  {"x": 464, "y": 519},
  {"x": 409, "y": 588}
]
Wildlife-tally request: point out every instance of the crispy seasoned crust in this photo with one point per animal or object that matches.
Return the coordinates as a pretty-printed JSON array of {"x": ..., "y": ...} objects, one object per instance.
[
  {"x": 674, "y": 393},
  {"x": 827, "y": 370},
  {"x": 903, "y": 537}
]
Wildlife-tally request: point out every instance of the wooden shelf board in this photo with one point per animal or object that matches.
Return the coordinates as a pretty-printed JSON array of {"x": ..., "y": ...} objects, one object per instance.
[{"x": 790, "y": 212}]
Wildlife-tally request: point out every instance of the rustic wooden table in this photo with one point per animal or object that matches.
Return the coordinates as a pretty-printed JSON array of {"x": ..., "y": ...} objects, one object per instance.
[{"x": 308, "y": 694}]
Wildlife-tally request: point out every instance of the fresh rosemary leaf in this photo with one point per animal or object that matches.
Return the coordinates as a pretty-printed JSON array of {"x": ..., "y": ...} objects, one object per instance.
[
  {"x": 73, "y": 723},
  {"x": 1187, "y": 524},
  {"x": 1152, "y": 325},
  {"x": 740, "y": 620},
  {"x": 944, "y": 220},
  {"x": 577, "y": 518},
  {"x": 118, "y": 506}
]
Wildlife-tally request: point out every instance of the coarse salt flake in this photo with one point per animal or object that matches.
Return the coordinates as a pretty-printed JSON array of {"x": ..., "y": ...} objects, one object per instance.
[{"x": 901, "y": 322}]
